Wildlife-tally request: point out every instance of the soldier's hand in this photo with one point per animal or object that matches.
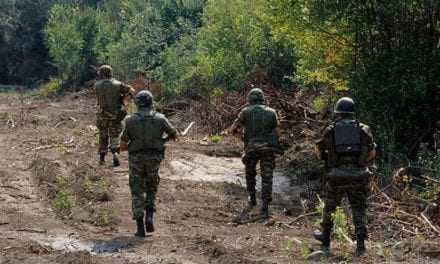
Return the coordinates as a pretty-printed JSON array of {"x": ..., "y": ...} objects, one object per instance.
[{"x": 123, "y": 146}]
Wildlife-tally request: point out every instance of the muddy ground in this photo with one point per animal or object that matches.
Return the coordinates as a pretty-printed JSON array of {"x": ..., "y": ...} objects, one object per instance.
[{"x": 57, "y": 205}]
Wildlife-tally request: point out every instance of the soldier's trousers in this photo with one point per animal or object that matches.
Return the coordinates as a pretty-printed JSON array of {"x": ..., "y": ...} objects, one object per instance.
[
  {"x": 144, "y": 181},
  {"x": 267, "y": 166},
  {"x": 357, "y": 196},
  {"x": 109, "y": 131}
]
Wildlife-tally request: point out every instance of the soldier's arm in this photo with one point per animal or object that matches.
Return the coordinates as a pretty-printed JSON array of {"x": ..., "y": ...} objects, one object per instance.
[
  {"x": 123, "y": 143},
  {"x": 237, "y": 127},
  {"x": 371, "y": 145},
  {"x": 170, "y": 130},
  {"x": 127, "y": 91},
  {"x": 276, "y": 129},
  {"x": 321, "y": 145}
]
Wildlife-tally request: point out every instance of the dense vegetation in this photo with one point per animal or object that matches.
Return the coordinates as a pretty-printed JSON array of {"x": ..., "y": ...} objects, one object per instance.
[{"x": 384, "y": 53}]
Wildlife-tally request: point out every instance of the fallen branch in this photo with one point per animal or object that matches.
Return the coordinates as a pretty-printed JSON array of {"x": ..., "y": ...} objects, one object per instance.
[
  {"x": 53, "y": 146},
  {"x": 31, "y": 230},
  {"x": 429, "y": 223},
  {"x": 302, "y": 216}
]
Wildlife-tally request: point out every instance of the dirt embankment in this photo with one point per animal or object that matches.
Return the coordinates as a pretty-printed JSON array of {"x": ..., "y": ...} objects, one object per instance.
[{"x": 59, "y": 206}]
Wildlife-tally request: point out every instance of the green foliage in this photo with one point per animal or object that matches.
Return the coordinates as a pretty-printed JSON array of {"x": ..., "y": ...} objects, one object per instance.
[
  {"x": 63, "y": 202},
  {"x": 215, "y": 139},
  {"x": 340, "y": 225},
  {"x": 24, "y": 54},
  {"x": 320, "y": 103},
  {"x": 320, "y": 211},
  {"x": 51, "y": 88},
  {"x": 304, "y": 249},
  {"x": 71, "y": 34},
  {"x": 105, "y": 217},
  {"x": 235, "y": 41}
]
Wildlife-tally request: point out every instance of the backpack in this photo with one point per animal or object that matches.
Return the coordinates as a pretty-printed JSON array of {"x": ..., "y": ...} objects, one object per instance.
[{"x": 347, "y": 137}]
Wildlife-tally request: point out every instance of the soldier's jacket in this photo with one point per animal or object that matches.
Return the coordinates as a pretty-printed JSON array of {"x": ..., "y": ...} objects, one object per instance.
[
  {"x": 110, "y": 94},
  {"x": 259, "y": 123},
  {"x": 346, "y": 166},
  {"x": 144, "y": 131}
]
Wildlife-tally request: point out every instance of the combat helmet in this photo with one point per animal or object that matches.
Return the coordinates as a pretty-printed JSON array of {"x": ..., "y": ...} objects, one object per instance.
[
  {"x": 345, "y": 105},
  {"x": 256, "y": 95},
  {"x": 105, "y": 71},
  {"x": 144, "y": 99}
]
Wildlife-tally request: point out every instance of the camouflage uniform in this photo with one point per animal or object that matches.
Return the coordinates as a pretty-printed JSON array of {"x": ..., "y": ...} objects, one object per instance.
[
  {"x": 144, "y": 131},
  {"x": 109, "y": 94},
  {"x": 348, "y": 175},
  {"x": 261, "y": 144}
]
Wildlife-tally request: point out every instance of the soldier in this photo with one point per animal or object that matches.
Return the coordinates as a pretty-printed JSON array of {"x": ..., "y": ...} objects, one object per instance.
[
  {"x": 258, "y": 125},
  {"x": 110, "y": 94},
  {"x": 143, "y": 137},
  {"x": 348, "y": 147}
]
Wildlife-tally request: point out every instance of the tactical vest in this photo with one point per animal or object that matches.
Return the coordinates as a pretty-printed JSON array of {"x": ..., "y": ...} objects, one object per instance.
[
  {"x": 346, "y": 147},
  {"x": 259, "y": 124},
  {"x": 108, "y": 94},
  {"x": 145, "y": 130}
]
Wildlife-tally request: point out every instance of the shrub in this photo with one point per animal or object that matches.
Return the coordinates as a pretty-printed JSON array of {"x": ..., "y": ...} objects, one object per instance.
[
  {"x": 63, "y": 202},
  {"x": 51, "y": 88},
  {"x": 215, "y": 139}
]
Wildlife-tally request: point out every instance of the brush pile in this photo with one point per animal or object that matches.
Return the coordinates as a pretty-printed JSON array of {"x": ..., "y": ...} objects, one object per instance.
[{"x": 401, "y": 211}]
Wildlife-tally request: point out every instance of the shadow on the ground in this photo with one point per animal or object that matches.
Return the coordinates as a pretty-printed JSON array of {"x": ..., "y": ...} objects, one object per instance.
[{"x": 116, "y": 244}]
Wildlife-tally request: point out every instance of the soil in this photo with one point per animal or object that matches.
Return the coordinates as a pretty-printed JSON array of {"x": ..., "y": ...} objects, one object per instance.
[{"x": 59, "y": 206}]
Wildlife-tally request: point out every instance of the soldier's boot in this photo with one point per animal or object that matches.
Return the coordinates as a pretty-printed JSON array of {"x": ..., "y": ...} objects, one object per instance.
[
  {"x": 102, "y": 158},
  {"x": 140, "y": 227},
  {"x": 264, "y": 211},
  {"x": 360, "y": 246},
  {"x": 115, "y": 157},
  {"x": 252, "y": 200},
  {"x": 149, "y": 223},
  {"x": 116, "y": 160},
  {"x": 324, "y": 238}
]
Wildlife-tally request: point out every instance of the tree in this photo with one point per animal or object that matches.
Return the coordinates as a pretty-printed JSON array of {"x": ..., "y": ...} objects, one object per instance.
[{"x": 234, "y": 40}]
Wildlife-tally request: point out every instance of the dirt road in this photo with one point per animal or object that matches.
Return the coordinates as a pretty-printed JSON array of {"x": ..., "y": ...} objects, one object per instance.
[{"x": 59, "y": 206}]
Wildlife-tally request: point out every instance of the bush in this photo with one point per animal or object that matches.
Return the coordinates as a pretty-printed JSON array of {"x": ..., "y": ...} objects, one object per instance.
[
  {"x": 51, "y": 88},
  {"x": 63, "y": 202},
  {"x": 215, "y": 139}
]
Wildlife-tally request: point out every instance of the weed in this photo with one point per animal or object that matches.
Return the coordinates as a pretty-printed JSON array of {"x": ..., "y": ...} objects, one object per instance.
[
  {"x": 320, "y": 103},
  {"x": 217, "y": 93},
  {"x": 289, "y": 247},
  {"x": 105, "y": 217},
  {"x": 340, "y": 226},
  {"x": 103, "y": 193},
  {"x": 215, "y": 138},
  {"x": 63, "y": 202},
  {"x": 304, "y": 250},
  {"x": 320, "y": 211},
  {"x": 61, "y": 182}
]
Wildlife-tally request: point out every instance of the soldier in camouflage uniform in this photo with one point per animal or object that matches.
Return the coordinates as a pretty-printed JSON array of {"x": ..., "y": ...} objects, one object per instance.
[
  {"x": 143, "y": 137},
  {"x": 347, "y": 146},
  {"x": 110, "y": 94},
  {"x": 258, "y": 125}
]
